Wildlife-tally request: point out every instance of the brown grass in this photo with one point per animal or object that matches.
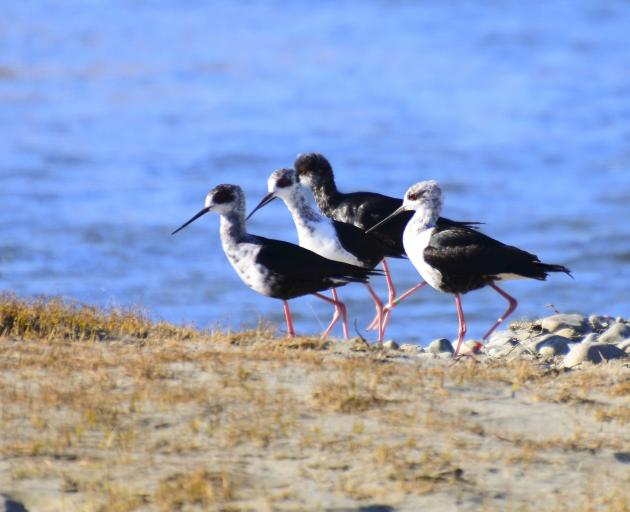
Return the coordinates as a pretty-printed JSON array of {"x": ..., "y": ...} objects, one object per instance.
[{"x": 114, "y": 412}]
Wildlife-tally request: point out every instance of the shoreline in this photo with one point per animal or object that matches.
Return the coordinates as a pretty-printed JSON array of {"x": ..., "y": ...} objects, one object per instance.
[{"x": 159, "y": 417}]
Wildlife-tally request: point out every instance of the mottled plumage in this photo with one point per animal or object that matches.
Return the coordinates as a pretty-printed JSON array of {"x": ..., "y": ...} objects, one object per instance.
[{"x": 272, "y": 267}]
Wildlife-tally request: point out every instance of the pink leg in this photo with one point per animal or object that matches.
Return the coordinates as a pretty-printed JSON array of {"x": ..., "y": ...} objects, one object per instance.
[
  {"x": 340, "y": 311},
  {"x": 462, "y": 324},
  {"x": 390, "y": 290},
  {"x": 287, "y": 315},
  {"x": 513, "y": 303},
  {"x": 390, "y": 285},
  {"x": 388, "y": 309},
  {"x": 344, "y": 314},
  {"x": 379, "y": 311}
]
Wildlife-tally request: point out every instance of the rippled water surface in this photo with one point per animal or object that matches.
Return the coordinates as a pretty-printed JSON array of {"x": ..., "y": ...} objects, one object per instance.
[{"x": 116, "y": 118}]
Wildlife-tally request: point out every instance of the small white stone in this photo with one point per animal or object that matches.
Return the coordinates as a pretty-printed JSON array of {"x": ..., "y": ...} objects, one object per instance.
[
  {"x": 411, "y": 348},
  {"x": 617, "y": 332},
  {"x": 501, "y": 338},
  {"x": 600, "y": 322},
  {"x": 577, "y": 355},
  {"x": 590, "y": 338},
  {"x": 547, "y": 352},
  {"x": 554, "y": 323},
  {"x": 557, "y": 344},
  {"x": 390, "y": 345},
  {"x": 624, "y": 345},
  {"x": 440, "y": 345}
]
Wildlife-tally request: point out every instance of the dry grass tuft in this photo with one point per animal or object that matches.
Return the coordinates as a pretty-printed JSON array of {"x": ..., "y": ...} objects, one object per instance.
[
  {"x": 55, "y": 318},
  {"x": 200, "y": 487}
]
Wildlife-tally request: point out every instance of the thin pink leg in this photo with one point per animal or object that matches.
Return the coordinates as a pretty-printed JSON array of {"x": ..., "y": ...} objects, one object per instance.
[
  {"x": 390, "y": 285},
  {"x": 379, "y": 311},
  {"x": 391, "y": 294},
  {"x": 387, "y": 310},
  {"x": 462, "y": 324},
  {"x": 340, "y": 311},
  {"x": 287, "y": 315},
  {"x": 344, "y": 314},
  {"x": 513, "y": 303}
]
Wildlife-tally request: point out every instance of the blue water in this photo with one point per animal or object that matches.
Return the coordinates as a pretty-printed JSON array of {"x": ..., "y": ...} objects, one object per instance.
[{"x": 116, "y": 118}]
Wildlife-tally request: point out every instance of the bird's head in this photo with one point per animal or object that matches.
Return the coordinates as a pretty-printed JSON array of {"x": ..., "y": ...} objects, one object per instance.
[
  {"x": 222, "y": 199},
  {"x": 423, "y": 195},
  {"x": 282, "y": 183},
  {"x": 313, "y": 169}
]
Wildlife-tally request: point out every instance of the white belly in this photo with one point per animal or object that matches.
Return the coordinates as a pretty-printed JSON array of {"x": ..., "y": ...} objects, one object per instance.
[
  {"x": 243, "y": 259},
  {"x": 321, "y": 238},
  {"x": 414, "y": 244}
]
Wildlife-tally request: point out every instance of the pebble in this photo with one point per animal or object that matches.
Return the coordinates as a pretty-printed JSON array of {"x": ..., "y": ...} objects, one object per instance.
[
  {"x": 576, "y": 355},
  {"x": 615, "y": 333},
  {"x": 624, "y": 345},
  {"x": 592, "y": 352},
  {"x": 390, "y": 345},
  {"x": 547, "y": 352},
  {"x": 554, "y": 323},
  {"x": 440, "y": 345},
  {"x": 551, "y": 342},
  {"x": 569, "y": 333},
  {"x": 502, "y": 338},
  {"x": 600, "y": 323},
  {"x": 411, "y": 348}
]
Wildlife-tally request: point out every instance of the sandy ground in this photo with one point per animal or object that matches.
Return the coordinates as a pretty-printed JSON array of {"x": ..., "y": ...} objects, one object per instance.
[{"x": 247, "y": 422}]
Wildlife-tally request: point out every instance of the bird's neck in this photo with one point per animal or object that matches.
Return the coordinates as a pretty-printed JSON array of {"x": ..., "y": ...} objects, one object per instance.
[
  {"x": 423, "y": 219},
  {"x": 232, "y": 228},
  {"x": 304, "y": 215},
  {"x": 325, "y": 193}
]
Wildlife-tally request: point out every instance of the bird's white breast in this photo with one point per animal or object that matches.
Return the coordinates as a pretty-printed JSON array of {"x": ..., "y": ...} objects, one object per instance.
[
  {"x": 242, "y": 257},
  {"x": 415, "y": 243},
  {"x": 321, "y": 238}
]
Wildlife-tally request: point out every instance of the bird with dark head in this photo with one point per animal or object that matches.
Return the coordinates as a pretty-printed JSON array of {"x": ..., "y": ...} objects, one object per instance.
[
  {"x": 363, "y": 209},
  {"x": 327, "y": 237},
  {"x": 274, "y": 268},
  {"x": 458, "y": 259}
]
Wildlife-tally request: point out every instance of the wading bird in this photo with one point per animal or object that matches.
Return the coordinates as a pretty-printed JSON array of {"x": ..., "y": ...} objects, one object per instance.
[
  {"x": 364, "y": 210},
  {"x": 458, "y": 259},
  {"x": 327, "y": 237},
  {"x": 274, "y": 268}
]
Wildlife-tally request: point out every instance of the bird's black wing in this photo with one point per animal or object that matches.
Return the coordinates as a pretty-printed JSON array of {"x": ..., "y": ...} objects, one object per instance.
[
  {"x": 295, "y": 262},
  {"x": 366, "y": 247},
  {"x": 469, "y": 259},
  {"x": 444, "y": 222}
]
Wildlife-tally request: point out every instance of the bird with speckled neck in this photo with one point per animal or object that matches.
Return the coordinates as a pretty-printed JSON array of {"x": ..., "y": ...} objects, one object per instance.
[
  {"x": 327, "y": 237},
  {"x": 274, "y": 268}
]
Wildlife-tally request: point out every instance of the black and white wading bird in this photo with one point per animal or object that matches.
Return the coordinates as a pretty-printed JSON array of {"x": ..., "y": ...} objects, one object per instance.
[
  {"x": 274, "y": 268},
  {"x": 327, "y": 237},
  {"x": 458, "y": 259},
  {"x": 364, "y": 210}
]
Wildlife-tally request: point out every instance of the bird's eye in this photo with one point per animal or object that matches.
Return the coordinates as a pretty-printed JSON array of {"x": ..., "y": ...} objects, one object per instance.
[
  {"x": 285, "y": 181},
  {"x": 412, "y": 196}
]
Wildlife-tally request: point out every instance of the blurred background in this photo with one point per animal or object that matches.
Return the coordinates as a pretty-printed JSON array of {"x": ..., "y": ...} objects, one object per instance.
[{"x": 117, "y": 117}]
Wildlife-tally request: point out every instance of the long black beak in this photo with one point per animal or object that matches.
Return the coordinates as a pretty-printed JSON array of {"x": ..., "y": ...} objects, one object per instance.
[
  {"x": 197, "y": 215},
  {"x": 386, "y": 219},
  {"x": 263, "y": 202}
]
